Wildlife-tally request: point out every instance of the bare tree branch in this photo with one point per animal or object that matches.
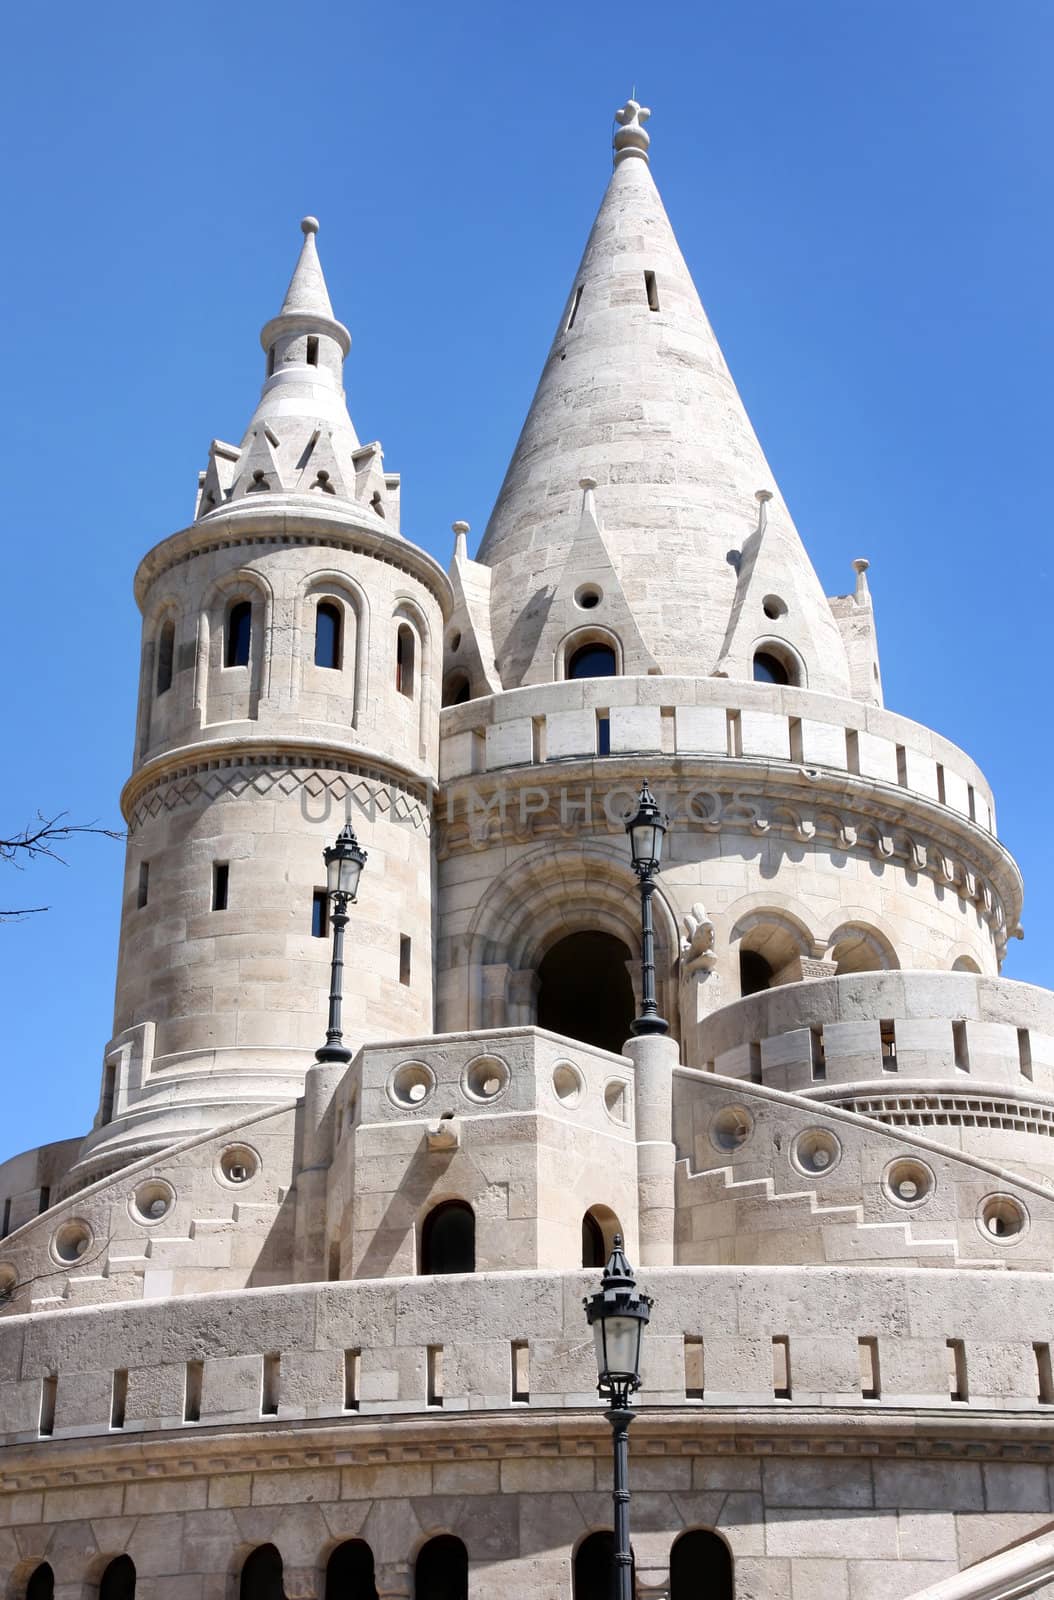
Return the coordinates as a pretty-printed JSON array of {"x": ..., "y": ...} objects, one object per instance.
[{"x": 42, "y": 838}]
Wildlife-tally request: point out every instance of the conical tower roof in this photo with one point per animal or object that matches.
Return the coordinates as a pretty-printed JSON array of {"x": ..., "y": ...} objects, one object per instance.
[{"x": 636, "y": 394}]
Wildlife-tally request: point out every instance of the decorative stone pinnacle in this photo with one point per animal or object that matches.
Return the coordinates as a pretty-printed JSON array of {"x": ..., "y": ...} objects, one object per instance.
[
  {"x": 860, "y": 564},
  {"x": 863, "y": 594},
  {"x": 763, "y": 496},
  {"x": 587, "y": 483},
  {"x": 631, "y": 139},
  {"x": 459, "y": 527},
  {"x": 309, "y": 225}
]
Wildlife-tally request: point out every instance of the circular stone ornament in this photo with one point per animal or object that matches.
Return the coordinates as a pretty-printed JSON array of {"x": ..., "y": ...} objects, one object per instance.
[{"x": 410, "y": 1084}]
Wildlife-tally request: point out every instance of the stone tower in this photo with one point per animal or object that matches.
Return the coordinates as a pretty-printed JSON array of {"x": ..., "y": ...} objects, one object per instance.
[{"x": 277, "y": 1326}]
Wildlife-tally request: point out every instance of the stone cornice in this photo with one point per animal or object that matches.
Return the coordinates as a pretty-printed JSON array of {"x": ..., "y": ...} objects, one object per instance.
[
  {"x": 742, "y": 794},
  {"x": 859, "y": 1431},
  {"x": 285, "y": 519}
]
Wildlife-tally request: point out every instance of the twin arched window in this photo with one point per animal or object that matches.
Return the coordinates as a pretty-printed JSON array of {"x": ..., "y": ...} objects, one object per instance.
[
  {"x": 328, "y": 630},
  {"x": 239, "y": 634},
  {"x": 405, "y": 650},
  {"x": 700, "y": 1567},
  {"x": 448, "y": 1239}
]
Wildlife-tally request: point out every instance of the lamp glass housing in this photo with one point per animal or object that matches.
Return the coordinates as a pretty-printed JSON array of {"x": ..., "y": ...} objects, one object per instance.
[
  {"x": 618, "y": 1340},
  {"x": 344, "y": 863}
]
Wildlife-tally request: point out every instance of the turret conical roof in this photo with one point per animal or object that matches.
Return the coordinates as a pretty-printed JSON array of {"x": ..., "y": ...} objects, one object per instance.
[{"x": 636, "y": 394}]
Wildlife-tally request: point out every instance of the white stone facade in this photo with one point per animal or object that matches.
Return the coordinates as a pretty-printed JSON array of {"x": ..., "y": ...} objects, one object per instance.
[{"x": 227, "y": 1335}]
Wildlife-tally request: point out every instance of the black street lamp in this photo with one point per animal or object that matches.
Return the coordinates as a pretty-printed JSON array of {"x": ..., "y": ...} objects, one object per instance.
[
  {"x": 618, "y": 1316},
  {"x": 344, "y": 863},
  {"x": 646, "y": 832}
]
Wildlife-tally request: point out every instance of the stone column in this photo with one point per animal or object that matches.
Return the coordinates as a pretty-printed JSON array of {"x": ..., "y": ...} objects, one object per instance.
[
  {"x": 654, "y": 1057},
  {"x": 394, "y": 1580},
  {"x": 495, "y": 996},
  {"x": 298, "y": 1583},
  {"x": 315, "y": 1147}
]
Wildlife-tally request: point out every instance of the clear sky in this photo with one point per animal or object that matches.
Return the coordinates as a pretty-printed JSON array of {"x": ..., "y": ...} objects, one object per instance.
[{"x": 862, "y": 191}]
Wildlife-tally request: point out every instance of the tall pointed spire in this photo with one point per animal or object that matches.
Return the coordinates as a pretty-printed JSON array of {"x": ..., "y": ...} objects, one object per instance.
[
  {"x": 636, "y": 394},
  {"x": 301, "y": 439}
]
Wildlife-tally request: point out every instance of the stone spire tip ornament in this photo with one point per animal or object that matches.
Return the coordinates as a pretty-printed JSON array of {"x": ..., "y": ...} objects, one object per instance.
[
  {"x": 631, "y": 138},
  {"x": 308, "y": 225}
]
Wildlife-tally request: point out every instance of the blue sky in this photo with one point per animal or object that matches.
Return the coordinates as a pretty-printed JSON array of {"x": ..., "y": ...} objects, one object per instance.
[{"x": 861, "y": 190}]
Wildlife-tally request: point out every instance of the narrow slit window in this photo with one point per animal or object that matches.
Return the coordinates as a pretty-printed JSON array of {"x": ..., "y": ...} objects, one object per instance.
[
  {"x": 435, "y": 1374},
  {"x": 735, "y": 734},
  {"x": 572, "y": 314},
  {"x": 887, "y": 1029},
  {"x": 960, "y": 1047},
  {"x": 1044, "y": 1375},
  {"x": 781, "y": 1368},
  {"x": 852, "y": 751},
  {"x": 819, "y": 1055},
  {"x": 119, "y": 1397},
  {"x": 166, "y": 649},
  {"x": 48, "y": 1394},
  {"x": 902, "y": 766},
  {"x": 270, "y": 362},
  {"x": 352, "y": 1374},
  {"x": 405, "y": 949},
  {"x": 651, "y": 290},
  {"x": 327, "y": 635},
  {"x": 941, "y": 796},
  {"x": 521, "y": 1372},
  {"x": 312, "y": 351},
  {"x": 271, "y": 1385},
  {"x": 958, "y": 1388},
  {"x": 333, "y": 1261},
  {"x": 5, "y": 1226},
  {"x": 193, "y": 1382},
  {"x": 404, "y": 660},
  {"x": 239, "y": 634},
  {"x": 971, "y": 802},
  {"x": 319, "y": 914},
  {"x": 221, "y": 878},
  {"x": 1024, "y": 1053},
  {"x": 797, "y": 749},
  {"x": 754, "y": 1056},
  {"x": 142, "y": 893},
  {"x": 603, "y": 734},
  {"x": 870, "y": 1387},
  {"x": 694, "y": 1377},
  {"x": 109, "y": 1090},
  {"x": 45, "y": 1197}
]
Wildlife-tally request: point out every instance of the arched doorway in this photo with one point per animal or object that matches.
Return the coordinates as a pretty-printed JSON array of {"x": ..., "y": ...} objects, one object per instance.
[
  {"x": 700, "y": 1567},
  {"x": 118, "y": 1581},
  {"x": 585, "y": 992},
  {"x": 41, "y": 1585},
  {"x": 448, "y": 1239},
  {"x": 594, "y": 1567}
]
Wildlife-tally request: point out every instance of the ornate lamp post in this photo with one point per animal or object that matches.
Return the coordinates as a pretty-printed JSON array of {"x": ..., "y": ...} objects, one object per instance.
[
  {"x": 344, "y": 863},
  {"x": 647, "y": 829},
  {"x": 618, "y": 1316}
]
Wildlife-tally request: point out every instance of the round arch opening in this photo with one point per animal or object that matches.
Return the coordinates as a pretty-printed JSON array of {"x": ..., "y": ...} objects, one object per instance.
[{"x": 584, "y": 990}]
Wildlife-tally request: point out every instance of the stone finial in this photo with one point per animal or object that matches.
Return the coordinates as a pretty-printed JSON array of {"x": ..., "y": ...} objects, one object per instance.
[
  {"x": 460, "y": 530},
  {"x": 631, "y": 139},
  {"x": 308, "y": 225},
  {"x": 863, "y": 593},
  {"x": 589, "y": 504},
  {"x": 763, "y": 496}
]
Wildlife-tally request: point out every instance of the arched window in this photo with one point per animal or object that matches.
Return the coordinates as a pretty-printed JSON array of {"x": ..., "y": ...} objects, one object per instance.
[
  {"x": 755, "y": 973},
  {"x": 594, "y": 1567},
  {"x": 166, "y": 649},
  {"x": 349, "y": 1572},
  {"x": 404, "y": 660},
  {"x": 448, "y": 1239},
  {"x": 775, "y": 665},
  {"x": 327, "y": 634},
  {"x": 441, "y": 1570},
  {"x": 592, "y": 661},
  {"x": 457, "y": 689},
  {"x": 262, "y": 1575},
  {"x": 585, "y": 991},
  {"x": 592, "y": 1242},
  {"x": 118, "y": 1581},
  {"x": 41, "y": 1585},
  {"x": 700, "y": 1566},
  {"x": 239, "y": 634}
]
